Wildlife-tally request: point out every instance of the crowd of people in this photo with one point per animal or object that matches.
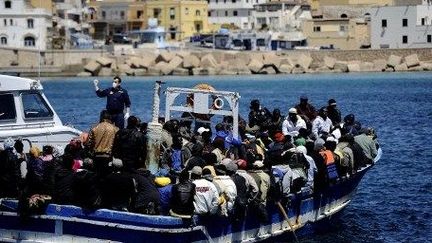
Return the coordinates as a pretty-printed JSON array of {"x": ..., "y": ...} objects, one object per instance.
[{"x": 202, "y": 170}]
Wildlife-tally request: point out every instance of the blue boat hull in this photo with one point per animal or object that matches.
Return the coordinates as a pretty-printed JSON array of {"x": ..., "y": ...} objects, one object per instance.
[{"x": 70, "y": 223}]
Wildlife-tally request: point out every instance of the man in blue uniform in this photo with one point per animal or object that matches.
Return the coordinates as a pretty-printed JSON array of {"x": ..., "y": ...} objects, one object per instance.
[{"x": 117, "y": 101}]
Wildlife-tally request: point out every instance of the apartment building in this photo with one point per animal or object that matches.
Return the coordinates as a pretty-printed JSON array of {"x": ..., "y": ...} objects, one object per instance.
[
  {"x": 232, "y": 12},
  {"x": 22, "y": 26},
  {"x": 402, "y": 26}
]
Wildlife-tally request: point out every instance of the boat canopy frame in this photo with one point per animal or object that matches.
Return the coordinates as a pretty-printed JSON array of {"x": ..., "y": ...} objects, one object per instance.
[{"x": 200, "y": 105}]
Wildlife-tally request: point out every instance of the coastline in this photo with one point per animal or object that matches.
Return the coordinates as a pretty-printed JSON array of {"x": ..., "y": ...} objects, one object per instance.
[{"x": 126, "y": 61}]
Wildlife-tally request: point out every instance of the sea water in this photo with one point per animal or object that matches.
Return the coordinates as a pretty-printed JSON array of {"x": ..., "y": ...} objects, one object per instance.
[{"x": 394, "y": 199}]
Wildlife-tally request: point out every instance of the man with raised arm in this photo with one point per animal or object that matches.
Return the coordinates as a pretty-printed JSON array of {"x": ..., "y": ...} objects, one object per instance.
[{"x": 117, "y": 101}]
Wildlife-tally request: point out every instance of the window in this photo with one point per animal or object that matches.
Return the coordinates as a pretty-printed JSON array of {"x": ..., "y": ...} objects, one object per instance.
[
  {"x": 172, "y": 13},
  {"x": 344, "y": 16},
  {"x": 29, "y": 41},
  {"x": 11, "y": 22},
  {"x": 226, "y": 13},
  {"x": 343, "y": 28},
  {"x": 139, "y": 14},
  {"x": 3, "y": 40},
  {"x": 8, "y": 4},
  {"x": 317, "y": 29},
  {"x": 103, "y": 14},
  {"x": 233, "y": 1},
  {"x": 122, "y": 14},
  {"x": 429, "y": 38},
  {"x": 197, "y": 13},
  {"x": 404, "y": 22},
  {"x": 423, "y": 21},
  {"x": 235, "y": 13},
  {"x": 209, "y": 13},
  {"x": 404, "y": 39},
  {"x": 187, "y": 11},
  {"x": 35, "y": 106},
  {"x": 30, "y": 23},
  {"x": 156, "y": 12},
  {"x": 7, "y": 107},
  {"x": 384, "y": 23},
  {"x": 5, "y": 22}
]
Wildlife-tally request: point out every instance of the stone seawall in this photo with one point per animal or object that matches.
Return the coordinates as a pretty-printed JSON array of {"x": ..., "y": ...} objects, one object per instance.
[{"x": 150, "y": 62}]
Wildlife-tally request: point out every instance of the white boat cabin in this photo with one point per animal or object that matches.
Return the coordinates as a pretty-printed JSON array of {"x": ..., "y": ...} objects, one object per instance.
[{"x": 26, "y": 113}]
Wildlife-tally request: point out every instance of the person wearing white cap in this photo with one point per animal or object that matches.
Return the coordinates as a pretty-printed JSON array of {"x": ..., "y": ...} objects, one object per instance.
[{"x": 293, "y": 123}]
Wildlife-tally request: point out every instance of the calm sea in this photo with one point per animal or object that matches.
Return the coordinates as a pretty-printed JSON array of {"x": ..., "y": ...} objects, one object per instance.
[{"x": 394, "y": 200}]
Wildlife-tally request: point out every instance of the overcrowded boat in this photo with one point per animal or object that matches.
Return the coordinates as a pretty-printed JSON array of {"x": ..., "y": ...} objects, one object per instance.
[{"x": 292, "y": 190}]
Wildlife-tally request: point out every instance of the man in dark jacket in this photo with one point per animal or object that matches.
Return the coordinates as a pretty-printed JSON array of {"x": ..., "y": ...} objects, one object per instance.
[
  {"x": 147, "y": 197},
  {"x": 130, "y": 145},
  {"x": 333, "y": 112},
  {"x": 259, "y": 115},
  {"x": 183, "y": 195},
  {"x": 63, "y": 180},
  {"x": 117, "y": 101},
  {"x": 9, "y": 173}
]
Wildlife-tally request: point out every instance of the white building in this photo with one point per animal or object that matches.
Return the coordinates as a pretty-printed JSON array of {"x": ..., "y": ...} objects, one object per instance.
[
  {"x": 22, "y": 26},
  {"x": 235, "y": 12},
  {"x": 280, "y": 16},
  {"x": 401, "y": 26}
]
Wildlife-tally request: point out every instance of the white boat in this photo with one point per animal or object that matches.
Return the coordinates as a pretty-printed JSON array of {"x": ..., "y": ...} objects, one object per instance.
[{"x": 26, "y": 113}]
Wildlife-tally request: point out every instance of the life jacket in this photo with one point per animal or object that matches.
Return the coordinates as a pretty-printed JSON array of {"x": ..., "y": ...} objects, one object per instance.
[{"x": 329, "y": 160}]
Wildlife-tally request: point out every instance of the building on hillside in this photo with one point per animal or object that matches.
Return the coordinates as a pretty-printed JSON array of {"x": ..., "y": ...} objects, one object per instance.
[
  {"x": 23, "y": 26},
  {"x": 280, "y": 15},
  {"x": 338, "y": 33},
  {"x": 402, "y": 26},
  {"x": 180, "y": 18},
  {"x": 108, "y": 17},
  {"x": 46, "y": 4},
  {"x": 232, "y": 12}
]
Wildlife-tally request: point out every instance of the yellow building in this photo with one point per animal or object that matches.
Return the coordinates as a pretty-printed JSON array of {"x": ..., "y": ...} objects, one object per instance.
[
  {"x": 343, "y": 33},
  {"x": 182, "y": 19}
]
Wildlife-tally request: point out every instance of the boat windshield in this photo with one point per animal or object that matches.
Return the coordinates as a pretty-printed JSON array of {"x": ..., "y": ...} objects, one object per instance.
[
  {"x": 35, "y": 106},
  {"x": 7, "y": 107}
]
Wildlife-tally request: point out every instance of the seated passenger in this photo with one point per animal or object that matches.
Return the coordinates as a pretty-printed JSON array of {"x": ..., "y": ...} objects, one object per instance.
[
  {"x": 35, "y": 174},
  {"x": 306, "y": 110},
  {"x": 364, "y": 139},
  {"x": 333, "y": 112},
  {"x": 9, "y": 174},
  {"x": 226, "y": 189},
  {"x": 147, "y": 198},
  {"x": 118, "y": 188},
  {"x": 312, "y": 170},
  {"x": 182, "y": 198},
  {"x": 322, "y": 125},
  {"x": 165, "y": 191},
  {"x": 259, "y": 116},
  {"x": 350, "y": 125},
  {"x": 293, "y": 123},
  {"x": 174, "y": 158},
  {"x": 86, "y": 186},
  {"x": 206, "y": 199},
  {"x": 63, "y": 180}
]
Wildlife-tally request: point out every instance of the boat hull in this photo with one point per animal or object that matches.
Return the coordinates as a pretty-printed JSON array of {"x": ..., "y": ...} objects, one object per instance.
[{"x": 62, "y": 222}]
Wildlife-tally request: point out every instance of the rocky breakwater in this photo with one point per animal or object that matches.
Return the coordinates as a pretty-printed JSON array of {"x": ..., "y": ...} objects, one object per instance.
[{"x": 185, "y": 63}]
